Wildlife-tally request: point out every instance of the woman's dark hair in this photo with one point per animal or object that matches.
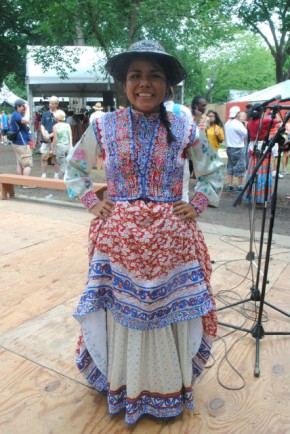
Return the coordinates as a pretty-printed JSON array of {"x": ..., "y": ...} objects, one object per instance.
[
  {"x": 256, "y": 111},
  {"x": 217, "y": 118},
  {"x": 166, "y": 122},
  {"x": 195, "y": 102}
]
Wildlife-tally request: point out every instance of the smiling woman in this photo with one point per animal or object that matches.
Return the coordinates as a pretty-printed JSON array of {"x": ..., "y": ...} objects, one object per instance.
[
  {"x": 145, "y": 86},
  {"x": 147, "y": 314}
]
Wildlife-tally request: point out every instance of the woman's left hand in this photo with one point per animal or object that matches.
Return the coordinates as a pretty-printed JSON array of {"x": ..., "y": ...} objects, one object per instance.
[{"x": 184, "y": 210}]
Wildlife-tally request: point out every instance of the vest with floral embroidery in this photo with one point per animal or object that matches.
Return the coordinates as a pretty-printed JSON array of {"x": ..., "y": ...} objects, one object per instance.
[{"x": 138, "y": 160}]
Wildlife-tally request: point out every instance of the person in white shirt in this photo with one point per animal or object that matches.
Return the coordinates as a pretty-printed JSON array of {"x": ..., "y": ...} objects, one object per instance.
[
  {"x": 97, "y": 113},
  {"x": 235, "y": 134}
]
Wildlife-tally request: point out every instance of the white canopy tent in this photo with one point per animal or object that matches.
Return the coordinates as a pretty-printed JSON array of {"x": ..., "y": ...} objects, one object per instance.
[
  {"x": 88, "y": 80},
  {"x": 7, "y": 96},
  {"x": 282, "y": 89}
]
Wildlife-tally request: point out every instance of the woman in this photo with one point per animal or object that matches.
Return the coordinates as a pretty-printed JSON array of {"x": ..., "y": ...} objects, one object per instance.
[
  {"x": 61, "y": 143},
  {"x": 147, "y": 313},
  {"x": 258, "y": 130},
  {"x": 214, "y": 132}
]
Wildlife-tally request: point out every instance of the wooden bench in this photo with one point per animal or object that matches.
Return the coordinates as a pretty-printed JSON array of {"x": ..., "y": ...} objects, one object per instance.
[{"x": 8, "y": 181}]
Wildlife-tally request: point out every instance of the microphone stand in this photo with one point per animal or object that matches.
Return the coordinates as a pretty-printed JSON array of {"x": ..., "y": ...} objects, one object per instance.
[{"x": 257, "y": 331}]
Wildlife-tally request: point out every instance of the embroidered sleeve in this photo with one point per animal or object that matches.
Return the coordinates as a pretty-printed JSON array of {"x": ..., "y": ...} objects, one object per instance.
[
  {"x": 209, "y": 171},
  {"x": 80, "y": 160},
  {"x": 199, "y": 202},
  {"x": 89, "y": 199}
]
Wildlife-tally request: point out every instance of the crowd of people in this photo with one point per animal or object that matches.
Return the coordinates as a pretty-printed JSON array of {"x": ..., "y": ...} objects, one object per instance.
[
  {"x": 55, "y": 134},
  {"x": 247, "y": 137}
]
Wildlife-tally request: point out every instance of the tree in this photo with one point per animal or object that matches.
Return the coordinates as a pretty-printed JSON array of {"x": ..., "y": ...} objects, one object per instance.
[
  {"x": 244, "y": 64},
  {"x": 182, "y": 27},
  {"x": 270, "y": 19}
]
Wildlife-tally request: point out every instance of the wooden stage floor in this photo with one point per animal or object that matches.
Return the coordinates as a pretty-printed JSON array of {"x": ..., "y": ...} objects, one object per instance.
[{"x": 43, "y": 267}]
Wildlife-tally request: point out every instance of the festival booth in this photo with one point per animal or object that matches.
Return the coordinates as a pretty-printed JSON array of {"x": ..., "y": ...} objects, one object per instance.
[{"x": 88, "y": 80}]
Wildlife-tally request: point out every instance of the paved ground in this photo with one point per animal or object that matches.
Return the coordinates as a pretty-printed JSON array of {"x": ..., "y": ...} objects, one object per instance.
[{"x": 225, "y": 215}]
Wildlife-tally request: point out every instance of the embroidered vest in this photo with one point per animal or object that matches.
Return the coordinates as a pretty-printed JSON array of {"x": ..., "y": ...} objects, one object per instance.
[{"x": 159, "y": 173}]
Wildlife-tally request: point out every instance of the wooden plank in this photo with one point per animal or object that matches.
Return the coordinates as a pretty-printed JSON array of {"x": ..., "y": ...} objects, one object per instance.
[
  {"x": 37, "y": 400},
  {"x": 41, "y": 390},
  {"x": 38, "y": 253}
]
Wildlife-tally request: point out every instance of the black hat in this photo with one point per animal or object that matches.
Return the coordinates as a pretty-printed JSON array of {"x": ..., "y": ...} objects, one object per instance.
[
  {"x": 117, "y": 66},
  {"x": 19, "y": 102}
]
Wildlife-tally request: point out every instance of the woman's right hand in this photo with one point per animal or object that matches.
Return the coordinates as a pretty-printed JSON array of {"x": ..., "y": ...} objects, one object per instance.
[{"x": 103, "y": 209}]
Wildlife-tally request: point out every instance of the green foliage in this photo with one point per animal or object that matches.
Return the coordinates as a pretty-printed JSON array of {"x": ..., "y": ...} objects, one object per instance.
[
  {"x": 241, "y": 65},
  {"x": 48, "y": 56},
  {"x": 270, "y": 20},
  {"x": 186, "y": 29},
  {"x": 13, "y": 81}
]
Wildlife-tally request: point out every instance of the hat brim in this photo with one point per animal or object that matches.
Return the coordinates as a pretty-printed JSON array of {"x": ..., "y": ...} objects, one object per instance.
[{"x": 118, "y": 65}]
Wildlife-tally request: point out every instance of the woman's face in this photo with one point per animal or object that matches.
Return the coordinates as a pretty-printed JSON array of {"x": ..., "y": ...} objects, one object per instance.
[
  {"x": 211, "y": 117},
  {"x": 145, "y": 85}
]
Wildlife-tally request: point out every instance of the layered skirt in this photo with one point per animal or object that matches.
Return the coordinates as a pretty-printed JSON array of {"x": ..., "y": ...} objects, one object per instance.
[
  {"x": 147, "y": 314},
  {"x": 258, "y": 190}
]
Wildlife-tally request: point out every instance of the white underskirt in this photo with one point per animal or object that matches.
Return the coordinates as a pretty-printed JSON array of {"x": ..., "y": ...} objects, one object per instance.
[{"x": 158, "y": 360}]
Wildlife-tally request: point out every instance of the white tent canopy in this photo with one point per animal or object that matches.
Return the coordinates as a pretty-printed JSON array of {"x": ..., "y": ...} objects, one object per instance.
[
  {"x": 89, "y": 79},
  {"x": 282, "y": 89},
  {"x": 7, "y": 96}
]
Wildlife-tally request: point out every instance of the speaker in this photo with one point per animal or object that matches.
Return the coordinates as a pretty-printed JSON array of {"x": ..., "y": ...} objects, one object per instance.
[{"x": 108, "y": 98}]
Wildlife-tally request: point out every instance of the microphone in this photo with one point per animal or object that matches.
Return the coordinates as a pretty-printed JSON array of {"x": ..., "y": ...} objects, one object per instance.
[
  {"x": 275, "y": 98},
  {"x": 278, "y": 107},
  {"x": 285, "y": 99}
]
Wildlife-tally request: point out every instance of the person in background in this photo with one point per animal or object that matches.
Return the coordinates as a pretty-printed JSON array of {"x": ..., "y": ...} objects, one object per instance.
[
  {"x": 182, "y": 110},
  {"x": 214, "y": 131},
  {"x": 147, "y": 314},
  {"x": 244, "y": 118},
  {"x": 19, "y": 123},
  {"x": 4, "y": 121},
  {"x": 285, "y": 155},
  {"x": 36, "y": 125},
  {"x": 258, "y": 129},
  {"x": 248, "y": 111},
  {"x": 235, "y": 135},
  {"x": 198, "y": 108},
  {"x": 275, "y": 150},
  {"x": 99, "y": 111},
  {"x": 70, "y": 119},
  {"x": 61, "y": 143},
  {"x": 47, "y": 122}
]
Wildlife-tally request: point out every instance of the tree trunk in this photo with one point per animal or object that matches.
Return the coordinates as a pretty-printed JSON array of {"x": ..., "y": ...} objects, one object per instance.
[
  {"x": 132, "y": 22},
  {"x": 79, "y": 39},
  {"x": 279, "y": 61}
]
